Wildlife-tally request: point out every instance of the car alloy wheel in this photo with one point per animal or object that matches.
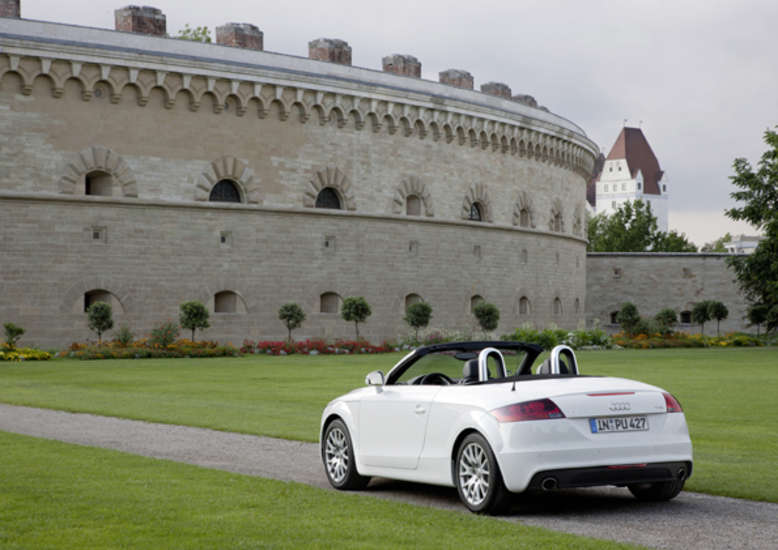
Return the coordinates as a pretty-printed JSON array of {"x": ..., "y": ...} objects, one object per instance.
[
  {"x": 337, "y": 453},
  {"x": 474, "y": 474},
  {"x": 478, "y": 477}
]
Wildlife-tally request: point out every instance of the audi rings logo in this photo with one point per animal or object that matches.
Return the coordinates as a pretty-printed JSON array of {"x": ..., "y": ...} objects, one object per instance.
[{"x": 621, "y": 406}]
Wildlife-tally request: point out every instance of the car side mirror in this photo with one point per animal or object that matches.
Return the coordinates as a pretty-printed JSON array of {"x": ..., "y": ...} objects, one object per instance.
[{"x": 375, "y": 378}]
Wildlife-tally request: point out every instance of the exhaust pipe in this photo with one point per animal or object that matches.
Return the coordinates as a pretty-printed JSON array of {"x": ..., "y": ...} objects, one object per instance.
[
  {"x": 548, "y": 484},
  {"x": 681, "y": 474}
]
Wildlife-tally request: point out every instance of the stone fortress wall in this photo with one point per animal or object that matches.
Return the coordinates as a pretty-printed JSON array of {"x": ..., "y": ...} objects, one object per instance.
[
  {"x": 113, "y": 146},
  {"x": 654, "y": 281}
]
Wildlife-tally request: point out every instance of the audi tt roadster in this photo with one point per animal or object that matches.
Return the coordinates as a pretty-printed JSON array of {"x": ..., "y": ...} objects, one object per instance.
[{"x": 490, "y": 419}]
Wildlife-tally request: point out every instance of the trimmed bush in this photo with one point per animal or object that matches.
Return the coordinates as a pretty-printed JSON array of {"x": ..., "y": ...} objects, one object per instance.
[
  {"x": 194, "y": 315},
  {"x": 100, "y": 318},
  {"x": 293, "y": 316},
  {"x": 418, "y": 316},
  {"x": 165, "y": 334},
  {"x": 355, "y": 309},
  {"x": 12, "y": 334},
  {"x": 488, "y": 316}
]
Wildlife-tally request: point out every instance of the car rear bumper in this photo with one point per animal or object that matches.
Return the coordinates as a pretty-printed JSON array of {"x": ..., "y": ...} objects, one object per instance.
[{"x": 625, "y": 474}]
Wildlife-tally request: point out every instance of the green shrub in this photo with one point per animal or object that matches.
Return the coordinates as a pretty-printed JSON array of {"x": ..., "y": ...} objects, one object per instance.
[
  {"x": 12, "y": 335},
  {"x": 628, "y": 318},
  {"x": 194, "y": 315},
  {"x": 488, "y": 316},
  {"x": 666, "y": 320},
  {"x": 355, "y": 309},
  {"x": 124, "y": 336},
  {"x": 100, "y": 318},
  {"x": 292, "y": 315},
  {"x": 418, "y": 316},
  {"x": 165, "y": 334}
]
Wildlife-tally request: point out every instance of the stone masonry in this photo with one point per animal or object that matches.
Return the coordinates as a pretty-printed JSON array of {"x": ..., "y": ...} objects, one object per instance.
[
  {"x": 405, "y": 65},
  {"x": 496, "y": 88},
  {"x": 330, "y": 49},
  {"x": 10, "y": 8},
  {"x": 456, "y": 77},
  {"x": 240, "y": 35},
  {"x": 145, "y": 20}
]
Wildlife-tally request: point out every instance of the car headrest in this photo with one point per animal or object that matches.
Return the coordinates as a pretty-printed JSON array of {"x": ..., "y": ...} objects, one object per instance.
[
  {"x": 470, "y": 371},
  {"x": 545, "y": 368}
]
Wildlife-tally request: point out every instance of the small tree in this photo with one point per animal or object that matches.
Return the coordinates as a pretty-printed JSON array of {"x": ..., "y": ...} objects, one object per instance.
[
  {"x": 756, "y": 315},
  {"x": 194, "y": 315},
  {"x": 418, "y": 316},
  {"x": 666, "y": 319},
  {"x": 12, "y": 334},
  {"x": 100, "y": 318},
  {"x": 292, "y": 315},
  {"x": 701, "y": 314},
  {"x": 165, "y": 334},
  {"x": 355, "y": 309},
  {"x": 628, "y": 317},
  {"x": 488, "y": 316},
  {"x": 195, "y": 34},
  {"x": 718, "y": 311}
]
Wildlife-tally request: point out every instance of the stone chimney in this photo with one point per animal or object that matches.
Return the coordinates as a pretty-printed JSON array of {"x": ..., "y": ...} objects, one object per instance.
[
  {"x": 496, "y": 88},
  {"x": 405, "y": 65},
  {"x": 525, "y": 99},
  {"x": 240, "y": 35},
  {"x": 10, "y": 8},
  {"x": 144, "y": 20},
  {"x": 330, "y": 49},
  {"x": 455, "y": 77}
]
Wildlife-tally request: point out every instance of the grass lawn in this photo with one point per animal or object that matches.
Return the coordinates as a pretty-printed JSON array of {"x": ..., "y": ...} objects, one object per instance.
[
  {"x": 728, "y": 395},
  {"x": 56, "y": 495}
]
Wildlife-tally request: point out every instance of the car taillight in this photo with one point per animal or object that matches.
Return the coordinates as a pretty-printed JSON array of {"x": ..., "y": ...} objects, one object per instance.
[
  {"x": 672, "y": 404},
  {"x": 541, "y": 409}
]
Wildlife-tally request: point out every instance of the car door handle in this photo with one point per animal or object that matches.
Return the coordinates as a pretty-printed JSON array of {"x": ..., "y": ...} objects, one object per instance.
[{"x": 420, "y": 409}]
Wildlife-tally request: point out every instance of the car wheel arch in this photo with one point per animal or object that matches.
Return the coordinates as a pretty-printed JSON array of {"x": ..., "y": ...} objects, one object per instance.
[{"x": 455, "y": 448}]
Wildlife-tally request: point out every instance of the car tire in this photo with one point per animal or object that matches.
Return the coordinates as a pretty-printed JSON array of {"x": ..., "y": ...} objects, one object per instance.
[
  {"x": 656, "y": 492},
  {"x": 337, "y": 453},
  {"x": 478, "y": 478}
]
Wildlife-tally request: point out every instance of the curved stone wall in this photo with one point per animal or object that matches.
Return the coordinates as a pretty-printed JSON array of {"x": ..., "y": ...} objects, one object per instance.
[{"x": 165, "y": 120}]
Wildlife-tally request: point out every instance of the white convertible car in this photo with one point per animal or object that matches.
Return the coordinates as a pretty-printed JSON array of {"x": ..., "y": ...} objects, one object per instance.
[{"x": 478, "y": 416}]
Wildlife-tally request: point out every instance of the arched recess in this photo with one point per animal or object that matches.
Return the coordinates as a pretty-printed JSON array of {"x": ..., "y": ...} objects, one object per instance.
[
  {"x": 478, "y": 195},
  {"x": 234, "y": 170},
  {"x": 475, "y": 301},
  {"x": 556, "y": 221},
  {"x": 411, "y": 299},
  {"x": 97, "y": 159},
  {"x": 524, "y": 306},
  {"x": 335, "y": 179},
  {"x": 329, "y": 302},
  {"x": 73, "y": 299},
  {"x": 523, "y": 211},
  {"x": 556, "y": 307},
  {"x": 101, "y": 295},
  {"x": 578, "y": 220},
  {"x": 412, "y": 186},
  {"x": 229, "y": 301}
]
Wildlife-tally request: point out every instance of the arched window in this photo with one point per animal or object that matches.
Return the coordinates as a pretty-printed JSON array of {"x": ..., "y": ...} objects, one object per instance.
[
  {"x": 98, "y": 183},
  {"x": 556, "y": 223},
  {"x": 102, "y": 295},
  {"x": 577, "y": 305},
  {"x": 476, "y": 212},
  {"x": 524, "y": 217},
  {"x": 329, "y": 303},
  {"x": 614, "y": 317},
  {"x": 413, "y": 205},
  {"x": 411, "y": 299},
  {"x": 475, "y": 301},
  {"x": 225, "y": 191},
  {"x": 228, "y": 301},
  {"x": 524, "y": 306},
  {"x": 686, "y": 317},
  {"x": 328, "y": 198},
  {"x": 557, "y": 306}
]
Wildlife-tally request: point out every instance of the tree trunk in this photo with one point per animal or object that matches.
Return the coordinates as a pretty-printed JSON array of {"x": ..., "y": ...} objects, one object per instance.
[
  {"x": 356, "y": 326},
  {"x": 717, "y": 327},
  {"x": 290, "y": 334},
  {"x": 193, "y": 331}
]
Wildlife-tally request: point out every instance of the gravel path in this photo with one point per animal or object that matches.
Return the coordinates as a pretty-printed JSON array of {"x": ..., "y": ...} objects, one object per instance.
[{"x": 691, "y": 520}]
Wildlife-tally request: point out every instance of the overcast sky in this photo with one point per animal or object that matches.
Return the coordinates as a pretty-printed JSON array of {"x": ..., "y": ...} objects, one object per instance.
[{"x": 702, "y": 76}]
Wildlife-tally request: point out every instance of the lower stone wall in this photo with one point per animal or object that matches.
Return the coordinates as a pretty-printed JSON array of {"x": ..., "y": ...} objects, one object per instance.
[
  {"x": 654, "y": 281},
  {"x": 153, "y": 255}
]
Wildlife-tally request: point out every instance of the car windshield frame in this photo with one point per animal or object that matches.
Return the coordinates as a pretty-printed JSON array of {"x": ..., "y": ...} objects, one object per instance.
[{"x": 531, "y": 352}]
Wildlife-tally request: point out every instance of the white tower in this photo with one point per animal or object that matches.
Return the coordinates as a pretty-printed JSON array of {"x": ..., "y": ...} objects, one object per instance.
[{"x": 630, "y": 172}]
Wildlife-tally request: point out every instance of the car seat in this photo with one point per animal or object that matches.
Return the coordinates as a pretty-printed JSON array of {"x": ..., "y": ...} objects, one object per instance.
[{"x": 470, "y": 371}]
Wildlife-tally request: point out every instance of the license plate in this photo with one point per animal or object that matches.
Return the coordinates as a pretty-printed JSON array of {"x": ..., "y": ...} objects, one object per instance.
[{"x": 619, "y": 424}]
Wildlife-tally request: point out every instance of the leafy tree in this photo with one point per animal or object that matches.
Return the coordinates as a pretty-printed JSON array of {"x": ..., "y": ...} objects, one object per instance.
[
  {"x": 757, "y": 315},
  {"x": 12, "y": 334},
  {"x": 196, "y": 34},
  {"x": 671, "y": 241},
  {"x": 632, "y": 228},
  {"x": 628, "y": 317},
  {"x": 629, "y": 229},
  {"x": 719, "y": 312},
  {"x": 194, "y": 315},
  {"x": 292, "y": 315},
  {"x": 488, "y": 316},
  {"x": 418, "y": 316},
  {"x": 100, "y": 318},
  {"x": 717, "y": 245},
  {"x": 701, "y": 314},
  {"x": 355, "y": 309},
  {"x": 666, "y": 319}
]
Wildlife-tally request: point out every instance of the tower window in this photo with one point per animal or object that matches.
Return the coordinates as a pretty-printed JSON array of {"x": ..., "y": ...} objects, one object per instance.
[
  {"x": 98, "y": 183},
  {"x": 224, "y": 191},
  {"x": 476, "y": 212},
  {"x": 328, "y": 198},
  {"x": 413, "y": 205}
]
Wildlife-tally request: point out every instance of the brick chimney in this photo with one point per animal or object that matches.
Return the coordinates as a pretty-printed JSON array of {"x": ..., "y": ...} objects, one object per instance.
[
  {"x": 330, "y": 49},
  {"x": 144, "y": 20},
  {"x": 496, "y": 88},
  {"x": 405, "y": 65},
  {"x": 240, "y": 35},
  {"x": 10, "y": 8},
  {"x": 455, "y": 77}
]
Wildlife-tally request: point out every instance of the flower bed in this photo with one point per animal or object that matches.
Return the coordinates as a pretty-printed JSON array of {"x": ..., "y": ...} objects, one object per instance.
[
  {"x": 23, "y": 354},
  {"x": 684, "y": 340},
  {"x": 313, "y": 347},
  {"x": 143, "y": 349}
]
